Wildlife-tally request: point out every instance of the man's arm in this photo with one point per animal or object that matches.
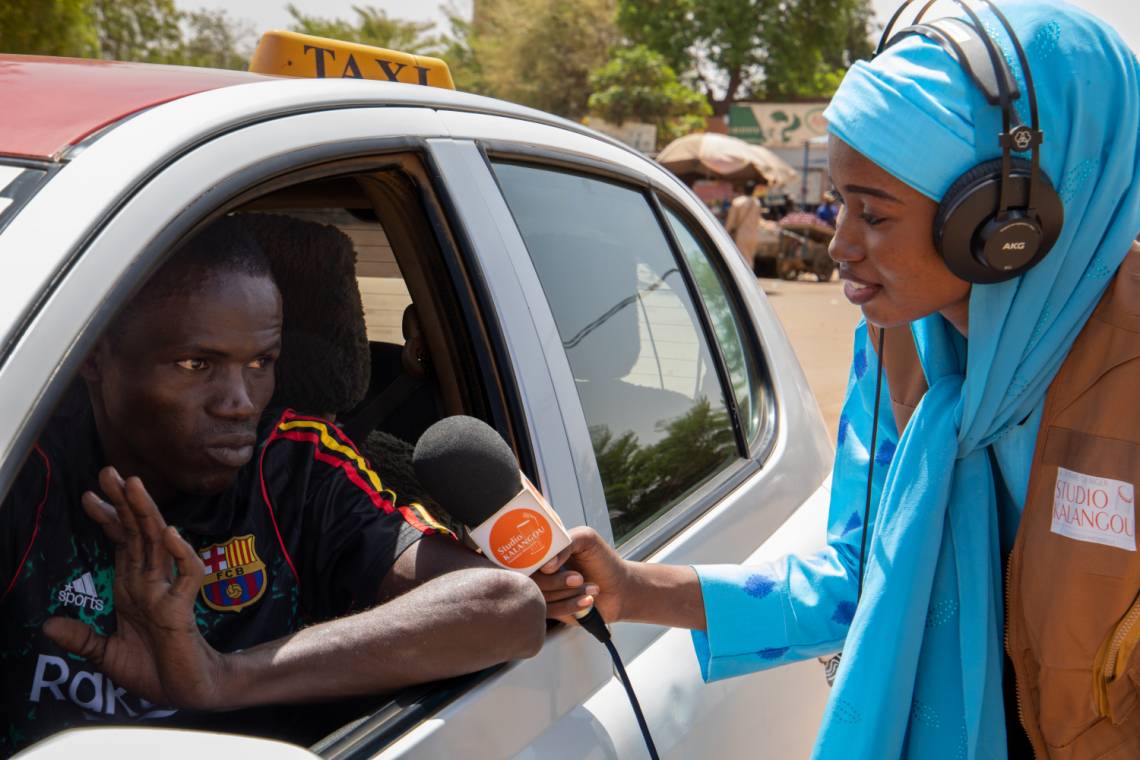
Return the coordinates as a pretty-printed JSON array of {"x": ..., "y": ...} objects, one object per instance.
[
  {"x": 470, "y": 617},
  {"x": 448, "y": 611}
]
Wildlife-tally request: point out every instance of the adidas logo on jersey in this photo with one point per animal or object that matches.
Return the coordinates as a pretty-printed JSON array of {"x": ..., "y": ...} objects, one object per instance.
[{"x": 81, "y": 593}]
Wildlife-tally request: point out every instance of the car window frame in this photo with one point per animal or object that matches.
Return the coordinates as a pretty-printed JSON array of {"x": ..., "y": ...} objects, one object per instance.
[
  {"x": 654, "y": 535},
  {"x": 29, "y": 184},
  {"x": 760, "y": 445}
]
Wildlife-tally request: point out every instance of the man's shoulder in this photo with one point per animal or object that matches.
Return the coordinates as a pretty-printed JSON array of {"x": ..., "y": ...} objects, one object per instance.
[
  {"x": 286, "y": 432},
  {"x": 314, "y": 450},
  {"x": 66, "y": 450}
]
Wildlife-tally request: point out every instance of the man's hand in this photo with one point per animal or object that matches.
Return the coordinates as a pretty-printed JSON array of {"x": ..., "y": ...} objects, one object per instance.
[
  {"x": 156, "y": 651},
  {"x": 587, "y": 572}
]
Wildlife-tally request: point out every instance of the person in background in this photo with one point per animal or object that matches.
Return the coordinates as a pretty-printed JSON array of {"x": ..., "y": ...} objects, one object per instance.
[
  {"x": 828, "y": 211},
  {"x": 743, "y": 221}
]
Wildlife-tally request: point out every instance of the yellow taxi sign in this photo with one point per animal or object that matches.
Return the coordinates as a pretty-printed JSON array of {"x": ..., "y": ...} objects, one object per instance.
[{"x": 293, "y": 54}]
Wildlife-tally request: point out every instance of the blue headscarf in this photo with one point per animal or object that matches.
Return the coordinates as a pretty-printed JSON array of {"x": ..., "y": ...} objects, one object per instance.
[{"x": 934, "y": 546}]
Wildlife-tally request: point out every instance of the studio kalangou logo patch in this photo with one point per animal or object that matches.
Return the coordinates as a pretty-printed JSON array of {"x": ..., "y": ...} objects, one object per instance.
[{"x": 81, "y": 593}]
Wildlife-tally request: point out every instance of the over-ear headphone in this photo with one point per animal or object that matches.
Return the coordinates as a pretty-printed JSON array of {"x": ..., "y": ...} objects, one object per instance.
[{"x": 1002, "y": 216}]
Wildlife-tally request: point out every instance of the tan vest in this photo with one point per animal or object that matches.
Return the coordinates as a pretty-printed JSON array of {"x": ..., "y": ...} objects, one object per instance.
[{"x": 1072, "y": 595}]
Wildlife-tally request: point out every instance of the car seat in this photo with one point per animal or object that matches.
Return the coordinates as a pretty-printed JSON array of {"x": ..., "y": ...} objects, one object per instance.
[{"x": 326, "y": 363}]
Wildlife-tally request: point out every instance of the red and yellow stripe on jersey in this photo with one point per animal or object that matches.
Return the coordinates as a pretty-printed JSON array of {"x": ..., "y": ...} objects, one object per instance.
[
  {"x": 240, "y": 552},
  {"x": 331, "y": 447}
]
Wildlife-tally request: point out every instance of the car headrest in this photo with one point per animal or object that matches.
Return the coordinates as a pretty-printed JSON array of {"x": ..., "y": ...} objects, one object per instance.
[
  {"x": 325, "y": 364},
  {"x": 592, "y": 289}
]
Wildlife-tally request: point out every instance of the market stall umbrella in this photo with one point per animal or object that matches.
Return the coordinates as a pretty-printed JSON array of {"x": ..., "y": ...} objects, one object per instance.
[{"x": 707, "y": 154}]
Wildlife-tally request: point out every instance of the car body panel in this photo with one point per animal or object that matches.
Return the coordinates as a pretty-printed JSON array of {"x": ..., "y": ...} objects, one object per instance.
[
  {"x": 549, "y": 716},
  {"x": 63, "y": 100},
  {"x": 165, "y": 743}
]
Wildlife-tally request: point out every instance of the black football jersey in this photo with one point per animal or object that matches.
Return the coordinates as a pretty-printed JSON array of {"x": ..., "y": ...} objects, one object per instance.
[{"x": 305, "y": 533}]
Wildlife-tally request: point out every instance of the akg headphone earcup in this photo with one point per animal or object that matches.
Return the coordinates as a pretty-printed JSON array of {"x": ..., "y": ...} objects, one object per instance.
[{"x": 979, "y": 247}]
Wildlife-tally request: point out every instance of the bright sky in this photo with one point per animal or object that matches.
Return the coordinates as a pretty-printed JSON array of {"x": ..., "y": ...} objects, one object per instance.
[{"x": 1124, "y": 15}]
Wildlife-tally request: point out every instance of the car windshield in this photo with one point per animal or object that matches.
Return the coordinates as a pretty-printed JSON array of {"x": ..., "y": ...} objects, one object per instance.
[{"x": 17, "y": 184}]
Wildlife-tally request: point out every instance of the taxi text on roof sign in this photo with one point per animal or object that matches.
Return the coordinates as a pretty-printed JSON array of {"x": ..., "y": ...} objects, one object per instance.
[{"x": 303, "y": 55}]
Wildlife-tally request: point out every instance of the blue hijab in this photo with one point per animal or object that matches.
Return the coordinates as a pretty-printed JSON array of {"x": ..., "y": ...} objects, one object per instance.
[{"x": 934, "y": 542}]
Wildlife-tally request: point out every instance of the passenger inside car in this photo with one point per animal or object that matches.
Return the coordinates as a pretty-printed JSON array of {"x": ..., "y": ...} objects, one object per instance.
[{"x": 300, "y": 575}]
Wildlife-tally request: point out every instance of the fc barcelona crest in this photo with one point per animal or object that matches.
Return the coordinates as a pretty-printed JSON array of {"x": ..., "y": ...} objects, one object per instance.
[{"x": 235, "y": 575}]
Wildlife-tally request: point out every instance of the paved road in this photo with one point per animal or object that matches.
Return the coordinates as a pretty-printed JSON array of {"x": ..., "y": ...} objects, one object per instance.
[{"x": 819, "y": 321}]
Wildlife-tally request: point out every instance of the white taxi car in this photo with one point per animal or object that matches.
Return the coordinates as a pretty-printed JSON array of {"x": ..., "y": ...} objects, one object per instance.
[{"x": 569, "y": 291}]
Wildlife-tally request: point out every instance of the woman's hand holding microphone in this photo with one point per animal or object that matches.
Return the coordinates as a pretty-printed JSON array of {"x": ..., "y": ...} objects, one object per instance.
[{"x": 590, "y": 572}]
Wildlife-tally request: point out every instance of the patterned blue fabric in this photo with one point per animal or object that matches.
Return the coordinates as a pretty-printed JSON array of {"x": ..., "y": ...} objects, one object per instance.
[
  {"x": 921, "y": 673},
  {"x": 813, "y": 596}
]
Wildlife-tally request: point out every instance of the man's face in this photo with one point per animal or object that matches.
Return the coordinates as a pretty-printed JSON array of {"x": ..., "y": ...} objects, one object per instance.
[{"x": 178, "y": 389}]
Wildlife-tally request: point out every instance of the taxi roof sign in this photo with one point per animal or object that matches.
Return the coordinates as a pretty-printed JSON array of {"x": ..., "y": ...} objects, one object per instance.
[{"x": 293, "y": 54}]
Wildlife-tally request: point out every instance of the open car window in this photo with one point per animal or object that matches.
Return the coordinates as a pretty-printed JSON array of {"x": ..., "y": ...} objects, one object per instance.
[{"x": 412, "y": 357}]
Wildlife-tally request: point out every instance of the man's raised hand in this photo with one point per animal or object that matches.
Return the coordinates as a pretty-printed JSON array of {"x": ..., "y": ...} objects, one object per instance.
[{"x": 156, "y": 651}]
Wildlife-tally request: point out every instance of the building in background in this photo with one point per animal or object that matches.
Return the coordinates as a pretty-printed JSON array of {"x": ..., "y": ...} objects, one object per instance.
[{"x": 797, "y": 133}]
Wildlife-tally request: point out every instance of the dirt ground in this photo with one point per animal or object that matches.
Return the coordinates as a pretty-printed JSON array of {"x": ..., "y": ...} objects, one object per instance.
[{"x": 819, "y": 322}]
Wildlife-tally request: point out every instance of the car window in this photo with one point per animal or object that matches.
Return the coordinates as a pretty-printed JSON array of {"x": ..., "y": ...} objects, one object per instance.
[
  {"x": 727, "y": 319},
  {"x": 643, "y": 369}
]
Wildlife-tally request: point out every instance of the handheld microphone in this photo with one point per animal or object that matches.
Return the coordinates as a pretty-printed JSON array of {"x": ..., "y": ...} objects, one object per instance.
[
  {"x": 472, "y": 473},
  {"x": 469, "y": 469}
]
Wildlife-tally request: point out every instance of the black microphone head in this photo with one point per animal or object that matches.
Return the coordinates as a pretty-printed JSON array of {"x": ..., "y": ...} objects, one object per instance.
[{"x": 467, "y": 468}]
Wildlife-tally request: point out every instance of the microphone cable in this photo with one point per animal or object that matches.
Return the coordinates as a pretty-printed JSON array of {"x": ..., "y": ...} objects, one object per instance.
[
  {"x": 593, "y": 622},
  {"x": 831, "y": 664},
  {"x": 871, "y": 462}
]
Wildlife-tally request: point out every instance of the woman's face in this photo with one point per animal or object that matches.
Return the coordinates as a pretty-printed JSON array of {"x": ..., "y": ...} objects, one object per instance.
[{"x": 884, "y": 245}]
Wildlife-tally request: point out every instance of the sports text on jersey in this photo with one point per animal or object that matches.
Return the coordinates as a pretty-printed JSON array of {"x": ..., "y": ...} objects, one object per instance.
[{"x": 81, "y": 593}]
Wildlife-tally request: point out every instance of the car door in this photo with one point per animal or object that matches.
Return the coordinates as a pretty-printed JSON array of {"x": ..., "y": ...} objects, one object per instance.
[{"x": 766, "y": 497}]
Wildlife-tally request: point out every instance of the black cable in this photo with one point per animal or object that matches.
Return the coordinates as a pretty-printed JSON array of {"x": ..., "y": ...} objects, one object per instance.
[
  {"x": 871, "y": 464},
  {"x": 632, "y": 698},
  {"x": 593, "y": 622}
]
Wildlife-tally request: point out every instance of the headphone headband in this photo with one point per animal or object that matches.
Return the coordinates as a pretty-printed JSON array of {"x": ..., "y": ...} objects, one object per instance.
[{"x": 989, "y": 226}]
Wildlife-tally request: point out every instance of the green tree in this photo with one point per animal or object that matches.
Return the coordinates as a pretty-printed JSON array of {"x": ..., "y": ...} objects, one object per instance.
[
  {"x": 150, "y": 31},
  {"x": 637, "y": 84},
  {"x": 211, "y": 38},
  {"x": 372, "y": 26},
  {"x": 138, "y": 30},
  {"x": 458, "y": 49},
  {"x": 48, "y": 27},
  {"x": 541, "y": 52},
  {"x": 766, "y": 48},
  {"x": 839, "y": 33},
  {"x": 642, "y": 481}
]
